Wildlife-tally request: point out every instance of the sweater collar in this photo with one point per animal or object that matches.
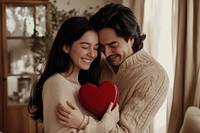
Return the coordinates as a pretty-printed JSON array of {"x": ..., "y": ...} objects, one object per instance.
[{"x": 130, "y": 61}]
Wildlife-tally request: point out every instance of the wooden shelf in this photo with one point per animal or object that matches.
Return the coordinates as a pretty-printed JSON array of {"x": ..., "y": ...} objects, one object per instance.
[
  {"x": 14, "y": 116},
  {"x": 13, "y": 103},
  {"x": 20, "y": 121},
  {"x": 21, "y": 75}
]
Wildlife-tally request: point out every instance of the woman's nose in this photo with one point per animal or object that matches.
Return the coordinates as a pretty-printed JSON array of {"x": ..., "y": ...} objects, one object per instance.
[{"x": 92, "y": 53}]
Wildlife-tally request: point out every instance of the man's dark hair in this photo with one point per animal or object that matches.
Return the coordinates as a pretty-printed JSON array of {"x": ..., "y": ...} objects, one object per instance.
[{"x": 122, "y": 20}]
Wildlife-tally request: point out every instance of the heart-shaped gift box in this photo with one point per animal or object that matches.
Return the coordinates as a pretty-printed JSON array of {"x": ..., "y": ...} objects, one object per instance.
[{"x": 96, "y": 99}]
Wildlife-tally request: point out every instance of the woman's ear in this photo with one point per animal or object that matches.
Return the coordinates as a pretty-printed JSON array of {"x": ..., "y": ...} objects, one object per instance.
[{"x": 66, "y": 49}]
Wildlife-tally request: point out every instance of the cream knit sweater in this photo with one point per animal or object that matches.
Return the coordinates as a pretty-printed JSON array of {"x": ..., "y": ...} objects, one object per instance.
[
  {"x": 58, "y": 89},
  {"x": 143, "y": 85}
]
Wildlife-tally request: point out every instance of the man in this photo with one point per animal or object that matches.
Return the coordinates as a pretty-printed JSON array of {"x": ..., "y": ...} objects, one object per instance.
[{"x": 142, "y": 81}]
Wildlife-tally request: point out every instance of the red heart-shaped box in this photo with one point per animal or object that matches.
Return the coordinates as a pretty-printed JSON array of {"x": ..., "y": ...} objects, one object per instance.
[{"x": 96, "y": 99}]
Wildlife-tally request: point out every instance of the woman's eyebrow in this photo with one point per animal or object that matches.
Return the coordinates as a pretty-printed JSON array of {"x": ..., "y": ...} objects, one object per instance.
[
  {"x": 89, "y": 43},
  {"x": 85, "y": 43}
]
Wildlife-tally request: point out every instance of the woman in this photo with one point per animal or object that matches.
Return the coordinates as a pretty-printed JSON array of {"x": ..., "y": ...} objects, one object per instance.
[{"x": 73, "y": 60}]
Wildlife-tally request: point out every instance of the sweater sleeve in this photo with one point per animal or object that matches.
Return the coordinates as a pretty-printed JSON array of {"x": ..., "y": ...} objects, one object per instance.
[
  {"x": 142, "y": 102},
  {"x": 104, "y": 126},
  {"x": 54, "y": 92}
]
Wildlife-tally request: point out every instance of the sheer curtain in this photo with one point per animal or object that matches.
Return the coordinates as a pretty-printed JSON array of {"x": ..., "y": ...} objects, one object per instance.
[
  {"x": 154, "y": 16},
  {"x": 157, "y": 25},
  {"x": 187, "y": 75},
  {"x": 173, "y": 38}
]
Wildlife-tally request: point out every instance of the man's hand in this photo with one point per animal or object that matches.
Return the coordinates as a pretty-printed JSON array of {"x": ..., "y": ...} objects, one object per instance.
[{"x": 69, "y": 115}]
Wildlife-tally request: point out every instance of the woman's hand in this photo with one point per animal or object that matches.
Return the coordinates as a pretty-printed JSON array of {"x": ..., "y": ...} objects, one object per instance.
[
  {"x": 69, "y": 115},
  {"x": 114, "y": 113}
]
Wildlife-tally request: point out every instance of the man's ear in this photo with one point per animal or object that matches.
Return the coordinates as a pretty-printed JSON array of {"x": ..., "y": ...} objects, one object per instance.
[
  {"x": 66, "y": 49},
  {"x": 131, "y": 41}
]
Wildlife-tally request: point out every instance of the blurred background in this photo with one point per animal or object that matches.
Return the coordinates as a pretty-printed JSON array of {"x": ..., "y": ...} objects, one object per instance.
[{"x": 27, "y": 28}]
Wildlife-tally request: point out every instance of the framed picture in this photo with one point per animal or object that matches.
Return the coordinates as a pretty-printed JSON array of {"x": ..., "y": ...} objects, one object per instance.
[{"x": 23, "y": 83}]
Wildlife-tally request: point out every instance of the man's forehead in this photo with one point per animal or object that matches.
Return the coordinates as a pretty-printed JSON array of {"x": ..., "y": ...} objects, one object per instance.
[
  {"x": 107, "y": 36},
  {"x": 109, "y": 43}
]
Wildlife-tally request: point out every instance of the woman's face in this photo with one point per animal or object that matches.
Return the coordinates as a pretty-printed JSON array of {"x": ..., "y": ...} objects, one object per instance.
[{"x": 84, "y": 51}]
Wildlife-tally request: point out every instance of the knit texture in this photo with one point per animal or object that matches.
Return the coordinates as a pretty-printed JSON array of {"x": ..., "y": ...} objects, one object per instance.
[
  {"x": 57, "y": 90},
  {"x": 143, "y": 85}
]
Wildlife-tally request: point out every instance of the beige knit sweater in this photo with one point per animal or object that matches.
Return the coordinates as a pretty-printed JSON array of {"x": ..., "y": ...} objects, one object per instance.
[
  {"x": 58, "y": 89},
  {"x": 143, "y": 85}
]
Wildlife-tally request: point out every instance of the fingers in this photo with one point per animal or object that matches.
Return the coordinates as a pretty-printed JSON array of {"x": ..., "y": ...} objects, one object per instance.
[
  {"x": 110, "y": 107},
  {"x": 117, "y": 107},
  {"x": 115, "y": 113},
  {"x": 63, "y": 109},
  {"x": 63, "y": 120},
  {"x": 69, "y": 115},
  {"x": 64, "y": 115},
  {"x": 66, "y": 111},
  {"x": 71, "y": 104},
  {"x": 61, "y": 115}
]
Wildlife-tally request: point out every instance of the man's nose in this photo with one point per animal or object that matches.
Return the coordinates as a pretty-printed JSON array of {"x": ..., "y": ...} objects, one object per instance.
[{"x": 107, "y": 51}]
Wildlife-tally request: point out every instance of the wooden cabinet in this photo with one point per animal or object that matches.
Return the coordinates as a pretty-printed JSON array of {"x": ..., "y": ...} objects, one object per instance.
[
  {"x": 18, "y": 19},
  {"x": 19, "y": 120}
]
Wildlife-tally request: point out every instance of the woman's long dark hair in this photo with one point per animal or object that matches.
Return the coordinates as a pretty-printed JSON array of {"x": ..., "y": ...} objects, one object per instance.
[{"x": 58, "y": 61}]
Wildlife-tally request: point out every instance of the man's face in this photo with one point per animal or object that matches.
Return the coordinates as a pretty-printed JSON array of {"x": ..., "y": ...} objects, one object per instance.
[{"x": 115, "y": 48}]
